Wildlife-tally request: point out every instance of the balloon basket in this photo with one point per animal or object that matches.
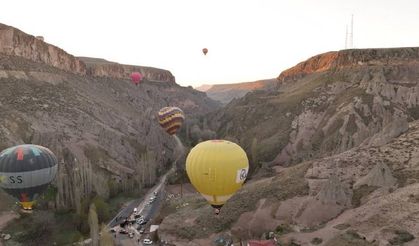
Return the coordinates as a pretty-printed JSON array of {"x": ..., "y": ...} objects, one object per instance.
[{"x": 26, "y": 211}]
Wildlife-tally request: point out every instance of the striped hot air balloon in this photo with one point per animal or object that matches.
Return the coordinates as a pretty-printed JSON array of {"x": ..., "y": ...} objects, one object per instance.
[
  {"x": 217, "y": 169},
  {"x": 171, "y": 119},
  {"x": 26, "y": 171}
]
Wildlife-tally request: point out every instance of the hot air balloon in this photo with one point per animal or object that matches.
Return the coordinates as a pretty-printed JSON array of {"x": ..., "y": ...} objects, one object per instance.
[
  {"x": 171, "y": 119},
  {"x": 26, "y": 171},
  {"x": 205, "y": 51},
  {"x": 136, "y": 78},
  {"x": 217, "y": 169}
]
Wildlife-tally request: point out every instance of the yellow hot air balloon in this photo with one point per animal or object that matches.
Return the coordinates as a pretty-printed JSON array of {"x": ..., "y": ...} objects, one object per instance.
[{"x": 217, "y": 169}]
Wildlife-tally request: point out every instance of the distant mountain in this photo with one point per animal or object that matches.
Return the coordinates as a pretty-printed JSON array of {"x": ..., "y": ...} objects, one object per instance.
[
  {"x": 224, "y": 93},
  {"x": 204, "y": 87}
]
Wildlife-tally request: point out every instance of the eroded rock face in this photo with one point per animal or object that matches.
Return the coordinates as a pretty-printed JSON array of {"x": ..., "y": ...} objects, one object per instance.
[
  {"x": 379, "y": 176},
  {"x": 327, "y": 105},
  {"x": 350, "y": 58},
  {"x": 17, "y": 43},
  {"x": 104, "y": 131},
  {"x": 333, "y": 198},
  {"x": 103, "y": 68},
  {"x": 329, "y": 209}
]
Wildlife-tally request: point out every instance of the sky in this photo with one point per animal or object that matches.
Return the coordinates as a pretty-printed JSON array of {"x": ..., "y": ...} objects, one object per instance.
[{"x": 248, "y": 40}]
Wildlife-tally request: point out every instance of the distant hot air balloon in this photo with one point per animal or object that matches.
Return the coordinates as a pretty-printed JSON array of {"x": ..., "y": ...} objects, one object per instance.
[
  {"x": 171, "y": 119},
  {"x": 26, "y": 171},
  {"x": 136, "y": 78},
  {"x": 217, "y": 169},
  {"x": 205, "y": 51}
]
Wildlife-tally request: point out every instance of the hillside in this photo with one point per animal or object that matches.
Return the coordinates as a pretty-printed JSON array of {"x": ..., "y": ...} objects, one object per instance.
[
  {"x": 103, "y": 129},
  {"x": 333, "y": 155},
  {"x": 321, "y": 200},
  {"x": 321, "y": 109},
  {"x": 224, "y": 93}
]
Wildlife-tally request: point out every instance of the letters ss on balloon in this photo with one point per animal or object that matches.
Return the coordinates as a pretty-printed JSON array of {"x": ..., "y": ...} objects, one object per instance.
[{"x": 15, "y": 179}]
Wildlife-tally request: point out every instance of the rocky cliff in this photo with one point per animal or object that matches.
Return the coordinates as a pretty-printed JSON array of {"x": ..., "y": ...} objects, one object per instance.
[
  {"x": 102, "y": 128},
  {"x": 344, "y": 59},
  {"x": 103, "y": 68},
  {"x": 17, "y": 43},
  {"x": 326, "y": 105}
]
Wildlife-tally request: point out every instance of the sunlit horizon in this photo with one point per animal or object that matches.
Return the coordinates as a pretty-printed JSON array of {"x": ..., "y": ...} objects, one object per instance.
[{"x": 247, "y": 40}]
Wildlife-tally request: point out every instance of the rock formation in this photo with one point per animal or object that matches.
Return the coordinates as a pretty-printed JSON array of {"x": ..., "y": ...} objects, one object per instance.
[
  {"x": 103, "y": 129},
  {"x": 332, "y": 199},
  {"x": 17, "y": 43},
  {"x": 103, "y": 68},
  {"x": 379, "y": 176},
  {"x": 327, "y": 105}
]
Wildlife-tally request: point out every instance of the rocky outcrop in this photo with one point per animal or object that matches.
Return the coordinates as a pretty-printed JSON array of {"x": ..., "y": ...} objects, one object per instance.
[
  {"x": 350, "y": 58},
  {"x": 333, "y": 198},
  {"x": 17, "y": 43},
  {"x": 334, "y": 192},
  {"x": 379, "y": 176},
  {"x": 103, "y": 68},
  {"x": 332, "y": 207},
  {"x": 392, "y": 130},
  {"x": 333, "y": 104},
  {"x": 104, "y": 131}
]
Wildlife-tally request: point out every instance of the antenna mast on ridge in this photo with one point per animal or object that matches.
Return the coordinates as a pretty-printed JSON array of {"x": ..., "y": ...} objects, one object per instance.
[
  {"x": 346, "y": 37},
  {"x": 349, "y": 36}
]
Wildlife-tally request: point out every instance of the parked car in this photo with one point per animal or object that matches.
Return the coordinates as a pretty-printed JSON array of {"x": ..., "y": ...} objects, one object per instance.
[
  {"x": 123, "y": 231},
  {"x": 155, "y": 193},
  {"x": 131, "y": 235},
  {"x": 147, "y": 241},
  {"x": 143, "y": 222}
]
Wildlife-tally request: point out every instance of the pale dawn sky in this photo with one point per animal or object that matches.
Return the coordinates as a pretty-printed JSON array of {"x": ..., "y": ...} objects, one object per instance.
[{"x": 247, "y": 40}]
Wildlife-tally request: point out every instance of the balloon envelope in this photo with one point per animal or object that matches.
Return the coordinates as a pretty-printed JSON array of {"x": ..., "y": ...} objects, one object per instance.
[
  {"x": 205, "y": 51},
  {"x": 171, "y": 119},
  {"x": 26, "y": 171},
  {"x": 136, "y": 77},
  {"x": 217, "y": 169}
]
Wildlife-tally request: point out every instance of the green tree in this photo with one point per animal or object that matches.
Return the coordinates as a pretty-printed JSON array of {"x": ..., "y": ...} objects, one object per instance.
[
  {"x": 94, "y": 225},
  {"x": 105, "y": 236}
]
